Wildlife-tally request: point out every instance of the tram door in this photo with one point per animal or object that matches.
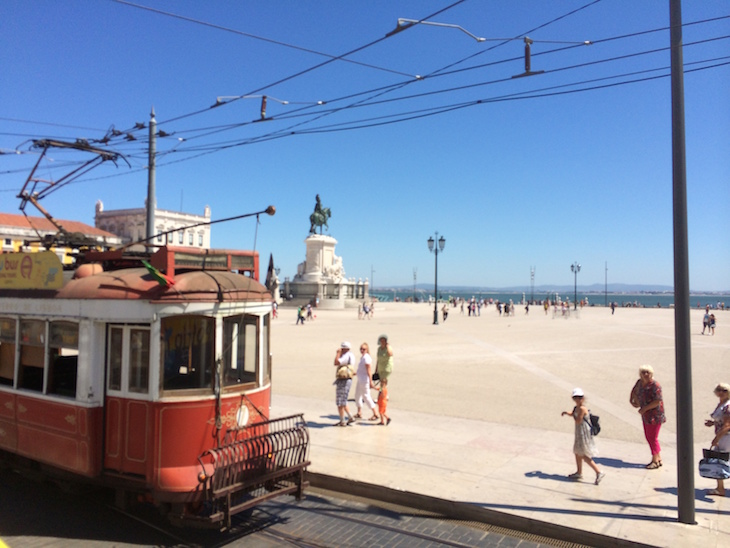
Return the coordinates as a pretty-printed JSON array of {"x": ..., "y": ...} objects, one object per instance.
[{"x": 128, "y": 411}]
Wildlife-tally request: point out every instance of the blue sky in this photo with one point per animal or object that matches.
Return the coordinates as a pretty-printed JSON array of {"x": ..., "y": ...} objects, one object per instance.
[{"x": 512, "y": 173}]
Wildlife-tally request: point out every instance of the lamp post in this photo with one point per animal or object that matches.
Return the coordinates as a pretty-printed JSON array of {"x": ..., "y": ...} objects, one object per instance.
[
  {"x": 436, "y": 244},
  {"x": 532, "y": 285},
  {"x": 575, "y": 267},
  {"x": 414, "y": 284}
]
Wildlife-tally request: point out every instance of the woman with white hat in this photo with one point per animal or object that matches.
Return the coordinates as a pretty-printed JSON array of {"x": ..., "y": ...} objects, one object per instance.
[
  {"x": 344, "y": 361},
  {"x": 583, "y": 447}
]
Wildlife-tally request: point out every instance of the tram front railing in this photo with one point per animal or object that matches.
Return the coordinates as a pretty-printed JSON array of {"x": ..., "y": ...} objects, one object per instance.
[{"x": 255, "y": 463}]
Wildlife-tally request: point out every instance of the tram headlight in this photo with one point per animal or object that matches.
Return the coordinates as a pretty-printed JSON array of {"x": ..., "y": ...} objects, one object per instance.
[{"x": 242, "y": 416}]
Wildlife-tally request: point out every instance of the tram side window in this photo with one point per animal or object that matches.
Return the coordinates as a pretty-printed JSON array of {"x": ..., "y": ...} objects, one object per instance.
[
  {"x": 63, "y": 357},
  {"x": 116, "y": 342},
  {"x": 266, "y": 367},
  {"x": 188, "y": 352},
  {"x": 7, "y": 351},
  {"x": 139, "y": 360},
  {"x": 240, "y": 351},
  {"x": 32, "y": 354}
]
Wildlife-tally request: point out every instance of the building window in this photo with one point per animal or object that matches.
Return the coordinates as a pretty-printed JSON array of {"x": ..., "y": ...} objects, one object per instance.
[
  {"x": 200, "y": 240},
  {"x": 180, "y": 237},
  {"x": 8, "y": 241},
  {"x": 169, "y": 238},
  {"x": 191, "y": 238},
  {"x": 159, "y": 238}
]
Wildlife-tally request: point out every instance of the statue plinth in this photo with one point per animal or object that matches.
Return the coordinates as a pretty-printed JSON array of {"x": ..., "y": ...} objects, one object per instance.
[
  {"x": 321, "y": 277},
  {"x": 321, "y": 263}
]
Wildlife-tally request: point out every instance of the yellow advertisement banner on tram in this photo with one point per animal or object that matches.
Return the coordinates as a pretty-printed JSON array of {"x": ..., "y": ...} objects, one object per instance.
[{"x": 41, "y": 270}]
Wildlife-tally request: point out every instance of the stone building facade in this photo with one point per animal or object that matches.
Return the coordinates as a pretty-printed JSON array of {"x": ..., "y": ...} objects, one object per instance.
[{"x": 131, "y": 226}]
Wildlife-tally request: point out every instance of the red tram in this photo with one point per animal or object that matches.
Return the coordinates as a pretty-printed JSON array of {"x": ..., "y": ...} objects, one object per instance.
[{"x": 148, "y": 373}]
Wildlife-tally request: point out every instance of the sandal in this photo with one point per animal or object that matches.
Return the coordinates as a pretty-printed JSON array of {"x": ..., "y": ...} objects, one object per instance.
[
  {"x": 653, "y": 465},
  {"x": 374, "y": 418},
  {"x": 716, "y": 493},
  {"x": 358, "y": 416}
]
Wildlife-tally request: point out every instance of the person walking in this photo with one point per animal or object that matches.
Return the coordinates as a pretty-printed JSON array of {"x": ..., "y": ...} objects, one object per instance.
[
  {"x": 365, "y": 383},
  {"x": 300, "y": 316},
  {"x": 584, "y": 448},
  {"x": 344, "y": 361},
  {"x": 647, "y": 397},
  {"x": 720, "y": 419},
  {"x": 384, "y": 368},
  {"x": 445, "y": 312}
]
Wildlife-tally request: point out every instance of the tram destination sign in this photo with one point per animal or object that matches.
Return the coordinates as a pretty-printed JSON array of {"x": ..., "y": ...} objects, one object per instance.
[
  {"x": 214, "y": 261},
  {"x": 40, "y": 270}
]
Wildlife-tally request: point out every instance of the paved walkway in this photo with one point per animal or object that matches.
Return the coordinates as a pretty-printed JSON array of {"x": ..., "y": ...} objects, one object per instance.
[{"x": 476, "y": 408}]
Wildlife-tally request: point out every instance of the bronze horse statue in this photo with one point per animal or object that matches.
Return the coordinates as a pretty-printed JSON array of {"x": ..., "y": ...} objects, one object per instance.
[{"x": 319, "y": 217}]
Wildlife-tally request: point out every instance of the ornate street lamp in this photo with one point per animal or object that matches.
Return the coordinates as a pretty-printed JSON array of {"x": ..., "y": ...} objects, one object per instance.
[
  {"x": 435, "y": 250},
  {"x": 575, "y": 267}
]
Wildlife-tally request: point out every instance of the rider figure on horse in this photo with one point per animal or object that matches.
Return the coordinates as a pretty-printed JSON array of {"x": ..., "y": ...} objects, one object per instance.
[{"x": 319, "y": 217}]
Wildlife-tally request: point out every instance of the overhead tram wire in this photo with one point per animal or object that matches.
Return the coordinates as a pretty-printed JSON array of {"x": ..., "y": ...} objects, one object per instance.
[
  {"x": 503, "y": 42},
  {"x": 256, "y": 37},
  {"x": 397, "y": 86},
  {"x": 330, "y": 59},
  {"x": 283, "y": 133},
  {"x": 413, "y": 116},
  {"x": 441, "y": 73},
  {"x": 400, "y": 85},
  {"x": 445, "y": 90},
  {"x": 432, "y": 111},
  {"x": 513, "y": 97},
  {"x": 300, "y": 73},
  {"x": 276, "y": 135},
  {"x": 389, "y": 89}
]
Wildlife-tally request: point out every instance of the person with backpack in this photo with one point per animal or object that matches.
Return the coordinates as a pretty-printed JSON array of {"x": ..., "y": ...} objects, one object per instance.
[{"x": 584, "y": 447}]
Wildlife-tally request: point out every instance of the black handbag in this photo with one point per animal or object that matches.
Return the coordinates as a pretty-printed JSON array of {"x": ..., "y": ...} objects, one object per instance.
[
  {"x": 376, "y": 377},
  {"x": 715, "y": 464}
]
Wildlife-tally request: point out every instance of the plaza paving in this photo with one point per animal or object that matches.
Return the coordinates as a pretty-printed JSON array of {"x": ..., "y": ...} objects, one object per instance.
[{"x": 476, "y": 404}]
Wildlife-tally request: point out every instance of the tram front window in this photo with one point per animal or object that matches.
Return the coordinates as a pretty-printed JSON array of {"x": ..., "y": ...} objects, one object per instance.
[
  {"x": 188, "y": 351},
  {"x": 240, "y": 351}
]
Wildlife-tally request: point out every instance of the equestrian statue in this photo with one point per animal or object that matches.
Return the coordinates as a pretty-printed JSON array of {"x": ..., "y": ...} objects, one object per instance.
[{"x": 319, "y": 217}]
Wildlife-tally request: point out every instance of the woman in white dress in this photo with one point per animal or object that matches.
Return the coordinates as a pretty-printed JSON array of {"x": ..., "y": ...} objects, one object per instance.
[
  {"x": 365, "y": 383},
  {"x": 583, "y": 447}
]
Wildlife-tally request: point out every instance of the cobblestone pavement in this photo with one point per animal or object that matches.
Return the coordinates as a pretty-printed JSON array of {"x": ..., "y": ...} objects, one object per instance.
[{"x": 39, "y": 514}]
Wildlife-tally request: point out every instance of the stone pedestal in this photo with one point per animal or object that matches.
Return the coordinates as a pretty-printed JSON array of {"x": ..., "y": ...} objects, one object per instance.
[{"x": 321, "y": 277}]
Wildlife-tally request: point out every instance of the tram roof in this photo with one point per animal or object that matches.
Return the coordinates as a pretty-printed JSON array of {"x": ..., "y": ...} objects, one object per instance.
[
  {"x": 140, "y": 284},
  {"x": 172, "y": 275}
]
